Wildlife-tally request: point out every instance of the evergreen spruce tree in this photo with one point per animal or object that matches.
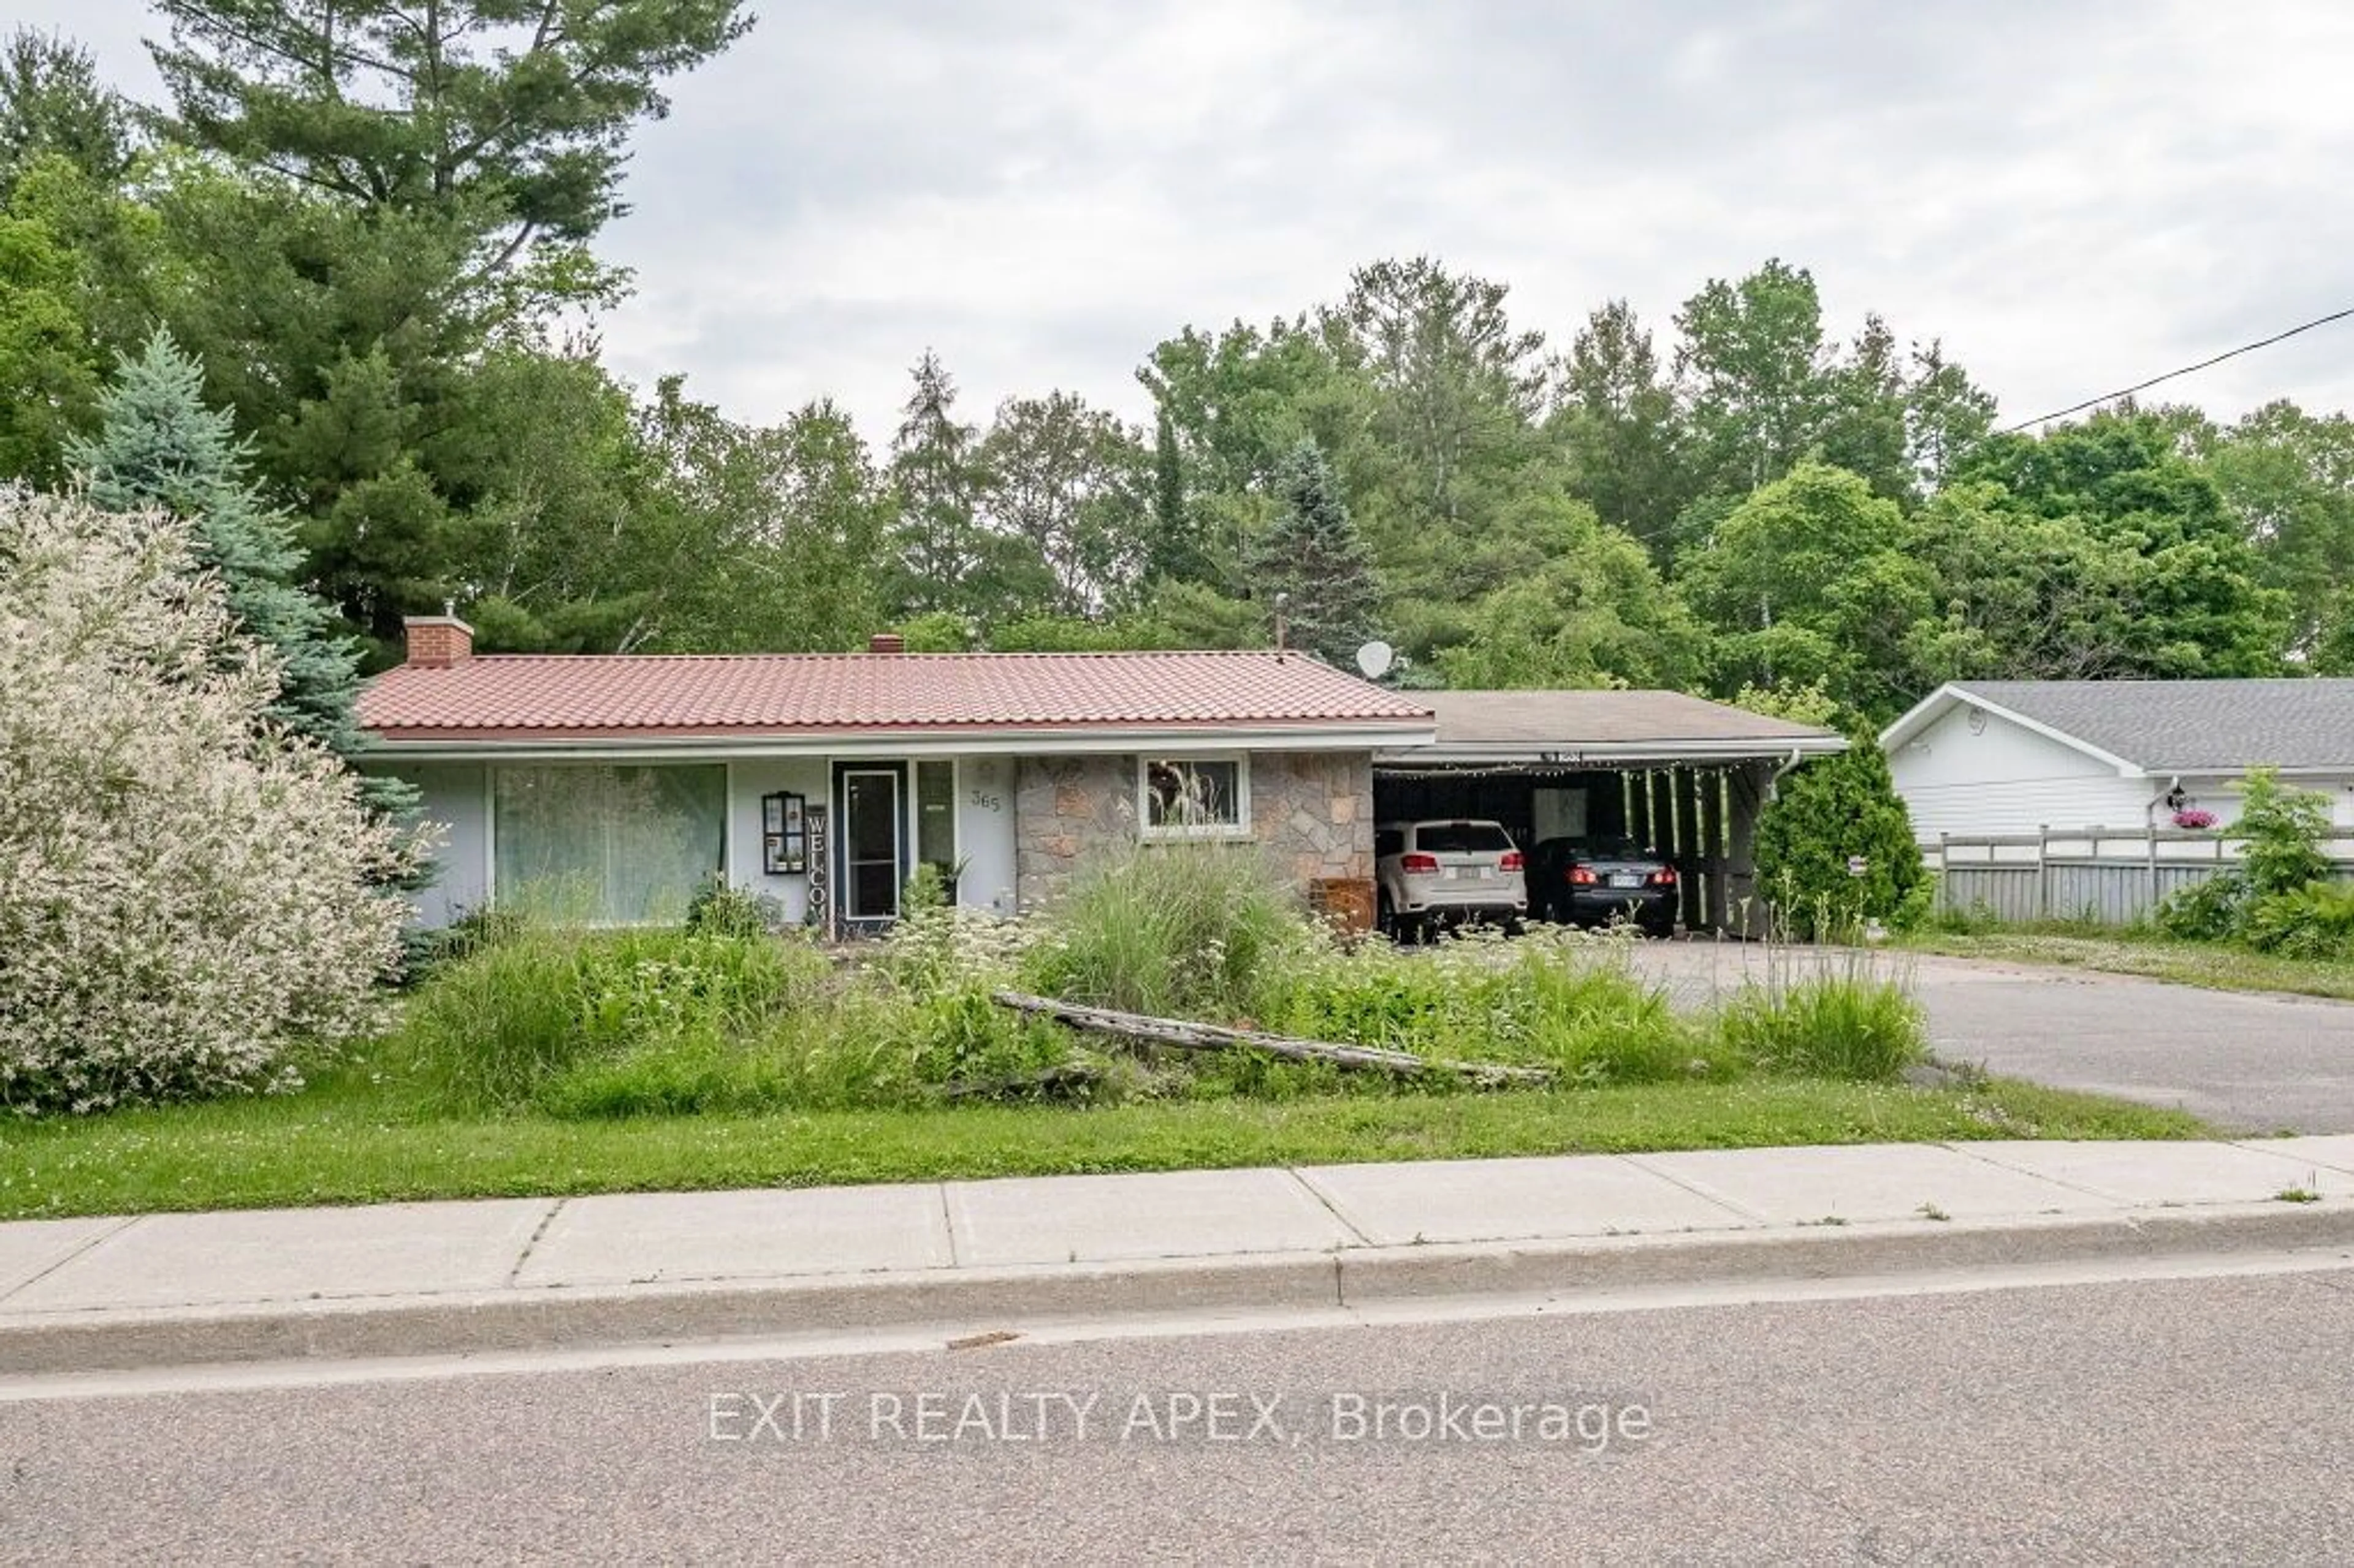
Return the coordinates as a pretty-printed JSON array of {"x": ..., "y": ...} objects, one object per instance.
[
  {"x": 1175, "y": 553},
  {"x": 1314, "y": 554},
  {"x": 936, "y": 468},
  {"x": 159, "y": 446}
]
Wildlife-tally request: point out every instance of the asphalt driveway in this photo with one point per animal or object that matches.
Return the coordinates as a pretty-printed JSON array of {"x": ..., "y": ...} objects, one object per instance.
[{"x": 2246, "y": 1062}]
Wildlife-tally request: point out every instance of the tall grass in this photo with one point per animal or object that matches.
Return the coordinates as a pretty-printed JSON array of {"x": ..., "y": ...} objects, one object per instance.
[
  {"x": 489, "y": 1030},
  {"x": 601, "y": 1024},
  {"x": 1842, "y": 1019},
  {"x": 1188, "y": 929}
]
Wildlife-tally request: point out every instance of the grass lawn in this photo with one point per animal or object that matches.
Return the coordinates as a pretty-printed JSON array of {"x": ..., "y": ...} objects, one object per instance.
[
  {"x": 346, "y": 1141},
  {"x": 2214, "y": 965}
]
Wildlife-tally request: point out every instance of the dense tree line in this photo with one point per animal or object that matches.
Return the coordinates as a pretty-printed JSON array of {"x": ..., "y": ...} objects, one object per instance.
[{"x": 362, "y": 226}]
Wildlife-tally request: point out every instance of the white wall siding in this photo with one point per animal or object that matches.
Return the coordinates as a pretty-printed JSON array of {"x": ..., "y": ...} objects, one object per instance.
[
  {"x": 455, "y": 794},
  {"x": 2221, "y": 796},
  {"x": 985, "y": 833},
  {"x": 747, "y": 782},
  {"x": 2006, "y": 779}
]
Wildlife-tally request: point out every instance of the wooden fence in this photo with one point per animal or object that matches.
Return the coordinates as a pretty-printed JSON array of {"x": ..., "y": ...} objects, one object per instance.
[{"x": 2101, "y": 875}]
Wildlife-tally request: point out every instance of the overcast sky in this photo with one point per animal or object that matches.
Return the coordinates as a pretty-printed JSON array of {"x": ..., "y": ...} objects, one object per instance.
[{"x": 2072, "y": 196}]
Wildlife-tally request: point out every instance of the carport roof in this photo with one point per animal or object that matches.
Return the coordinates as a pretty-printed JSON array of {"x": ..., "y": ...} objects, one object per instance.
[{"x": 1604, "y": 728}]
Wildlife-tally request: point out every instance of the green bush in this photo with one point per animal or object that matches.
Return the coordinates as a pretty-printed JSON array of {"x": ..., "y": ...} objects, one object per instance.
[
  {"x": 1828, "y": 811},
  {"x": 1181, "y": 930},
  {"x": 425, "y": 953},
  {"x": 2315, "y": 921},
  {"x": 2276, "y": 899},
  {"x": 2209, "y": 911},
  {"x": 1851, "y": 1024},
  {"x": 2282, "y": 828},
  {"x": 720, "y": 908}
]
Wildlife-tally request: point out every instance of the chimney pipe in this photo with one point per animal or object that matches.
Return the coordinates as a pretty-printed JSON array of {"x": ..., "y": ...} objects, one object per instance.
[
  {"x": 436, "y": 641},
  {"x": 887, "y": 642}
]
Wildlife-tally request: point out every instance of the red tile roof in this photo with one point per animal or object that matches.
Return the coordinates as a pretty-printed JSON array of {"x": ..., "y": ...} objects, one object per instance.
[{"x": 535, "y": 697}]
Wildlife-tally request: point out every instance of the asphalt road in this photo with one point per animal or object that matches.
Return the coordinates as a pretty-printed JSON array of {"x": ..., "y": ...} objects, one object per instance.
[
  {"x": 2246, "y": 1062},
  {"x": 2209, "y": 1419}
]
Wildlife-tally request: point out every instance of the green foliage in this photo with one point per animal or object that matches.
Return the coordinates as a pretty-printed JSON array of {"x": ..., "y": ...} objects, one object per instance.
[
  {"x": 1314, "y": 554},
  {"x": 1799, "y": 705},
  {"x": 1809, "y": 581},
  {"x": 2276, "y": 900},
  {"x": 2282, "y": 828},
  {"x": 721, "y": 909},
  {"x": 1187, "y": 930},
  {"x": 2211, "y": 910},
  {"x": 1551, "y": 999},
  {"x": 492, "y": 1028},
  {"x": 1619, "y": 430},
  {"x": 938, "y": 631},
  {"x": 2313, "y": 921},
  {"x": 49, "y": 365},
  {"x": 1070, "y": 483},
  {"x": 946, "y": 560},
  {"x": 1551, "y": 598},
  {"x": 1828, "y": 810},
  {"x": 159, "y": 446},
  {"x": 389, "y": 103},
  {"x": 52, "y": 105},
  {"x": 425, "y": 953},
  {"x": 1828, "y": 1024}
]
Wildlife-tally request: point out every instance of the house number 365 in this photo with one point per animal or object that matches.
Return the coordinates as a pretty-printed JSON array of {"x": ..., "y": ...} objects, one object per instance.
[{"x": 987, "y": 801}]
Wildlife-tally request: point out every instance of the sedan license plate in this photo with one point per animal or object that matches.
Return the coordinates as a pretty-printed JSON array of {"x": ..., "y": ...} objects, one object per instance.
[{"x": 1625, "y": 879}]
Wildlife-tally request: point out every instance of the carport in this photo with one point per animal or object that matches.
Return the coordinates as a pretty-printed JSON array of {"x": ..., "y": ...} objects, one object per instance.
[{"x": 1682, "y": 776}]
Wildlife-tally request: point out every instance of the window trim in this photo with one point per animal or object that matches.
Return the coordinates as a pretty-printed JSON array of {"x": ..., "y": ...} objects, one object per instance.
[{"x": 1240, "y": 828}]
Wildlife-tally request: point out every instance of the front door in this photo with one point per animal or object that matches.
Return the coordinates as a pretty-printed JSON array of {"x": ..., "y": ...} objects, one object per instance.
[{"x": 874, "y": 858}]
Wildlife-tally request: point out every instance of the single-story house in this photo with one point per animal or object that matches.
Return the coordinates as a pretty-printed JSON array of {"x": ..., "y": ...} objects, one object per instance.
[
  {"x": 1993, "y": 757},
  {"x": 824, "y": 780}
]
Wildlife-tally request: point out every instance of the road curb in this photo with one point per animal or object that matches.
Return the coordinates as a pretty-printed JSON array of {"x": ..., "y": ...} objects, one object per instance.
[{"x": 960, "y": 1300}]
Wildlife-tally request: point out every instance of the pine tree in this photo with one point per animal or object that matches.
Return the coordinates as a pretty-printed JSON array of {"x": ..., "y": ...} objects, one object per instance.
[
  {"x": 1175, "y": 552},
  {"x": 1314, "y": 554},
  {"x": 159, "y": 446},
  {"x": 936, "y": 469}
]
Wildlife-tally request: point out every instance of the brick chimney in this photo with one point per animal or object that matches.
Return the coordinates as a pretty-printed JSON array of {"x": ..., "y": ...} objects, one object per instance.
[
  {"x": 887, "y": 642},
  {"x": 436, "y": 641}
]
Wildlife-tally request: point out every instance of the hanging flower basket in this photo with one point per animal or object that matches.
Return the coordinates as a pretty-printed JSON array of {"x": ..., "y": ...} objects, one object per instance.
[{"x": 2193, "y": 819}]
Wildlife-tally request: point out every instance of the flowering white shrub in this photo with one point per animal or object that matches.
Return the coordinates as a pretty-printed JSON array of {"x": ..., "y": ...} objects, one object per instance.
[{"x": 187, "y": 896}]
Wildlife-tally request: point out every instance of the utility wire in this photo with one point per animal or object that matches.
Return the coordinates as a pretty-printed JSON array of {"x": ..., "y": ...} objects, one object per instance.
[{"x": 2140, "y": 385}]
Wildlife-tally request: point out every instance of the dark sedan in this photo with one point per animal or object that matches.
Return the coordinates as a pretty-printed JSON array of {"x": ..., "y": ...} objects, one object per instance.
[{"x": 1603, "y": 882}]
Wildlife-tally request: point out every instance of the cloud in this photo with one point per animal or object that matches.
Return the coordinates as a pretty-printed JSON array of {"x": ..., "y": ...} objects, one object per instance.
[{"x": 2072, "y": 198}]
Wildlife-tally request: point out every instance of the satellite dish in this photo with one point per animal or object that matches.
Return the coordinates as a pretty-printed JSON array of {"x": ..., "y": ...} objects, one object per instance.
[{"x": 1374, "y": 659}]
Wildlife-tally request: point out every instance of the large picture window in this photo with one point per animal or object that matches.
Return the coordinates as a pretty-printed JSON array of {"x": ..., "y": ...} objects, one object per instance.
[
  {"x": 1193, "y": 797},
  {"x": 624, "y": 845}
]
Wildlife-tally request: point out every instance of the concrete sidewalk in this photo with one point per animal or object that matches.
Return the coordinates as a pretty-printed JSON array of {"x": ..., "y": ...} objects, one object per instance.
[{"x": 520, "y": 1274}]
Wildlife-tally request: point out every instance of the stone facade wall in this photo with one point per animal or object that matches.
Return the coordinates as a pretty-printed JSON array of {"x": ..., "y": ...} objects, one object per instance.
[{"x": 1311, "y": 811}]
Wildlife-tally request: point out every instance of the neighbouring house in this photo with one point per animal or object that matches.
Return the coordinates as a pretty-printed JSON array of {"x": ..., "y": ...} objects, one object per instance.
[
  {"x": 1980, "y": 759},
  {"x": 618, "y": 784}
]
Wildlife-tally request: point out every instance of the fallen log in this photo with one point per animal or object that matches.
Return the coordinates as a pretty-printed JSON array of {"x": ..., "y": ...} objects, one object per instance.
[{"x": 1133, "y": 1028}]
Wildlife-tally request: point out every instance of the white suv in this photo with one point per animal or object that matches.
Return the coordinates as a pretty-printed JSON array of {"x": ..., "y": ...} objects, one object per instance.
[{"x": 1440, "y": 872}]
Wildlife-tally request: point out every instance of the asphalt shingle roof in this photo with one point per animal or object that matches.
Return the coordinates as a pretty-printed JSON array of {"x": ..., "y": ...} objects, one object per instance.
[
  {"x": 1600, "y": 718},
  {"x": 2179, "y": 726},
  {"x": 491, "y": 695}
]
